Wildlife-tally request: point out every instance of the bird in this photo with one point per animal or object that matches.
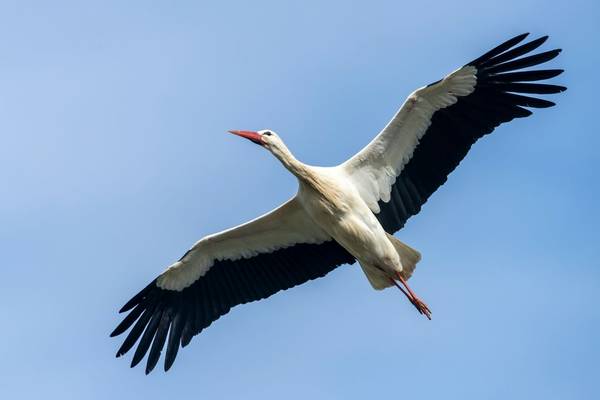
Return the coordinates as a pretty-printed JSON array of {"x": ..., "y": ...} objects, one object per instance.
[{"x": 341, "y": 214}]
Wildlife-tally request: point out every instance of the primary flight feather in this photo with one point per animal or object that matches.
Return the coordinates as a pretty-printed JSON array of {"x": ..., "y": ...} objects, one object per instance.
[{"x": 340, "y": 214}]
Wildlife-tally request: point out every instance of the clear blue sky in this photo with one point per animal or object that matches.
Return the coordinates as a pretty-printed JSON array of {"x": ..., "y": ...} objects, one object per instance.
[{"x": 114, "y": 159}]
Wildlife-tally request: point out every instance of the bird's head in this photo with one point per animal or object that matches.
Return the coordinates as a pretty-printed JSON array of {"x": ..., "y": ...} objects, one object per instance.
[
  {"x": 272, "y": 142},
  {"x": 265, "y": 138}
]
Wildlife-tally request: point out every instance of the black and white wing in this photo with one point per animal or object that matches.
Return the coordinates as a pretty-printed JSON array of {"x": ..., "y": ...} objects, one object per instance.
[
  {"x": 436, "y": 126},
  {"x": 274, "y": 252}
]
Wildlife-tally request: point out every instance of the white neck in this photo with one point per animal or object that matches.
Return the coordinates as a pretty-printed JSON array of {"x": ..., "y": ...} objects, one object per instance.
[
  {"x": 328, "y": 193},
  {"x": 283, "y": 154}
]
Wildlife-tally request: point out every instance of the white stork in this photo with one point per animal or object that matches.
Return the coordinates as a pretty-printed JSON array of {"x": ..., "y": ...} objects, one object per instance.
[{"x": 344, "y": 213}]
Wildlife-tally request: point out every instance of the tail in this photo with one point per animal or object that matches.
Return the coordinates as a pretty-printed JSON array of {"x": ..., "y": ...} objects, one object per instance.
[{"x": 408, "y": 256}]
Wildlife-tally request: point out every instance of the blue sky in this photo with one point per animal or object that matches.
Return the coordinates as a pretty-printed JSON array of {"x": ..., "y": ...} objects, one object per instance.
[{"x": 114, "y": 159}]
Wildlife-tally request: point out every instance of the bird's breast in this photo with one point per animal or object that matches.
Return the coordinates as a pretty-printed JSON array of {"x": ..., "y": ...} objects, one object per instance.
[{"x": 338, "y": 209}]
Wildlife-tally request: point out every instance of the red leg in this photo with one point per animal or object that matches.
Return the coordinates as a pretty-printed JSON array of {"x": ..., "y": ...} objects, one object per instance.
[
  {"x": 408, "y": 296},
  {"x": 414, "y": 299}
]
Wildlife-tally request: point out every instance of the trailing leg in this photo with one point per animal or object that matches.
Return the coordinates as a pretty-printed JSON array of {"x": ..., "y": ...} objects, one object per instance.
[{"x": 412, "y": 297}]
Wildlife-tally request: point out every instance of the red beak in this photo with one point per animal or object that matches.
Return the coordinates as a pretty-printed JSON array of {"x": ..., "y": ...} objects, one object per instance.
[{"x": 250, "y": 135}]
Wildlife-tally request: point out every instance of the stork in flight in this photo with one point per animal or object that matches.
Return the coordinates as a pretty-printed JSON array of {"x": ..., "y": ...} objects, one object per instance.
[{"x": 340, "y": 214}]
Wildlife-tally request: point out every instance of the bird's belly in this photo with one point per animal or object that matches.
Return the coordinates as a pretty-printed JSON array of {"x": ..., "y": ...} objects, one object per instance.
[
  {"x": 366, "y": 241},
  {"x": 355, "y": 227}
]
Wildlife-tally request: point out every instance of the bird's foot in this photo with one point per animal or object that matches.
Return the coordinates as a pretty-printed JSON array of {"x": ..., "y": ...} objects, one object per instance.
[
  {"x": 421, "y": 307},
  {"x": 414, "y": 299}
]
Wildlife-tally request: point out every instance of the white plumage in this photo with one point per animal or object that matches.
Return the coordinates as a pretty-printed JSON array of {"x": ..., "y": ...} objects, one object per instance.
[
  {"x": 375, "y": 168},
  {"x": 344, "y": 213},
  {"x": 285, "y": 226}
]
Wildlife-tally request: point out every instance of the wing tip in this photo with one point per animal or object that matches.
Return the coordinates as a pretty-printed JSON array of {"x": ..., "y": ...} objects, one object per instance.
[
  {"x": 135, "y": 300},
  {"x": 135, "y": 361},
  {"x": 174, "y": 323},
  {"x": 126, "y": 308}
]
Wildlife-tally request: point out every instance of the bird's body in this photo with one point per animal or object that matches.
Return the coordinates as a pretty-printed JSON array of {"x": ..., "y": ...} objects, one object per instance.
[
  {"x": 334, "y": 204},
  {"x": 344, "y": 213}
]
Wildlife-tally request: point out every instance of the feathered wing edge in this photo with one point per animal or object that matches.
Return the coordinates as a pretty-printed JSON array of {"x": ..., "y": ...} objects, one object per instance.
[
  {"x": 156, "y": 312},
  {"x": 502, "y": 93}
]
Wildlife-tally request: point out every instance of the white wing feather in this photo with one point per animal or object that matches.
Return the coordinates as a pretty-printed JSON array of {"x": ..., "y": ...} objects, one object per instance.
[
  {"x": 374, "y": 169},
  {"x": 285, "y": 226}
]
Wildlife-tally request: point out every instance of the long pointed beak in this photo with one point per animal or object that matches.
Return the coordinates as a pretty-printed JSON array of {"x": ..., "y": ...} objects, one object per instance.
[{"x": 250, "y": 135}]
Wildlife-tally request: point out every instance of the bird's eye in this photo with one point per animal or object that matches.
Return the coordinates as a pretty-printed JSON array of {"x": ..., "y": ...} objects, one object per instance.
[{"x": 267, "y": 133}]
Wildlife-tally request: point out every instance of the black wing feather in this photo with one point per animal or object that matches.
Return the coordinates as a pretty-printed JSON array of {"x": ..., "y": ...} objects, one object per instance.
[
  {"x": 146, "y": 339},
  {"x": 129, "y": 320},
  {"x": 159, "y": 340},
  {"x": 499, "y": 49},
  {"x": 515, "y": 52},
  {"x": 497, "y": 98},
  {"x": 174, "y": 317}
]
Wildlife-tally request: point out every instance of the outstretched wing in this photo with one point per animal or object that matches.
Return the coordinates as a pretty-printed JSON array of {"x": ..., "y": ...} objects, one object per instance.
[
  {"x": 436, "y": 126},
  {"x": 274, "y": 252}
]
